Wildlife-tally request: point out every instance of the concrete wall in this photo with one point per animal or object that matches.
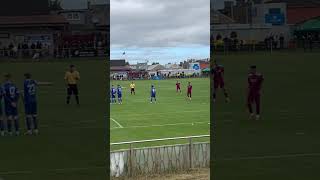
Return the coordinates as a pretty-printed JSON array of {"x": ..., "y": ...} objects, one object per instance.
[{"x": 157, "y": 160}]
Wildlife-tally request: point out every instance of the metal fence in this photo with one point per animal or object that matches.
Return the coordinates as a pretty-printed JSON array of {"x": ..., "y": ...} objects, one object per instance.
[
  {"x": 299, "y": 45},
  {"x": 148, "y": 161},
  {"x": 15, "y": 53}
]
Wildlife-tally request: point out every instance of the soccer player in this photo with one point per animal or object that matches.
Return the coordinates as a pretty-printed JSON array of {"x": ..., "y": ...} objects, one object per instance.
[
  {"x": 71, "y": 77},
  {"x": 30, "y": 104},
  {"x": 113, "y": 94},
  {"x": 153, "y": 94},
  {"x": 119, "y": 93},
  {"x": 1, "y": 113},
  {"x": 11, "y": 98},
  {"x": 255, "y": 81},
  {"x": 218, "y": 81},
  {"x": 189, "y": 90},
  {"x": 132, "y": 86},
  {"x": 178, "y": 88}
]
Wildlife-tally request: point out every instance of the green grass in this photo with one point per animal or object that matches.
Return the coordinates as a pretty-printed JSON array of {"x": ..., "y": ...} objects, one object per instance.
[
  {"x": 71, "y": 143},
  {"x": 247, "y": 149},
  {"x": 171, "y": 116}
]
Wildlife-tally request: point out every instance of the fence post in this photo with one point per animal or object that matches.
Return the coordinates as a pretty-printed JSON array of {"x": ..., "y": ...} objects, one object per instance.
[
  {"x": 190, "y": 153},
  {"x": 130, "y": 161}
]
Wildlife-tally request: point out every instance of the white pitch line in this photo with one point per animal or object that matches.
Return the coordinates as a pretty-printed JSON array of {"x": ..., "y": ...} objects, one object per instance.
[
  {"x": 120, "y": 126},
  {"x": 273, "y": 156},
  {"x": 49, "y": 170},
  {"x": 161, "y": 125}
]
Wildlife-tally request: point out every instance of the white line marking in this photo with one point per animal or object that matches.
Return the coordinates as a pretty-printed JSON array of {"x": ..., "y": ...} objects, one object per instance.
[
  {"x": 49, "y": 170},
  {"x": 120, "y": 126},
  {"x": 161, "y": 125},
  {"x": 272, "y": 156},
  {"x": 174, "y": 112}
]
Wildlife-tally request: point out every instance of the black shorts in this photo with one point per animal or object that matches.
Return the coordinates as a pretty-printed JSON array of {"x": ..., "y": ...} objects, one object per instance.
[
  {"x": 132, "y": 89},
  {"x": 72, "y": 89}
]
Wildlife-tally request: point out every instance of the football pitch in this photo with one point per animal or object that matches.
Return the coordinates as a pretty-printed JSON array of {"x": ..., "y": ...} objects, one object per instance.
[
  {"x": 71, "y": 143},
  {"x": 284, "y": 144},
  {"x": 171, "y": 116}
]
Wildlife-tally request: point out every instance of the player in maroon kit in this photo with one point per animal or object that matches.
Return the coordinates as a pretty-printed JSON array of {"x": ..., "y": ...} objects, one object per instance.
[
  {"x": 178, "y": 88},
  {"x": 255, "y": 81},
  {"x": 218, "y": 81},
  {"x": 189, "y": 91}
]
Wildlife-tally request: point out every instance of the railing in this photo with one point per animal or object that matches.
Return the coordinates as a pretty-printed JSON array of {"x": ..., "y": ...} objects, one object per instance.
[
  {"x": 146, "y": 161},
  {"x": 53, "y": 53},
  {"x": 269, "y": 47}
]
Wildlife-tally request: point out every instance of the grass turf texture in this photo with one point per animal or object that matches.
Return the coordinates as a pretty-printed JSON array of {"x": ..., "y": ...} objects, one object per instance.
[
  {"x": 171, "y": 116},
  {"x": 71, "y": 141},
  {"x": 284, "y": 144}
]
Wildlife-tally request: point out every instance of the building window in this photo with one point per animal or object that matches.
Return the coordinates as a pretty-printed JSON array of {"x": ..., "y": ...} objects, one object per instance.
[
  {"x": 274, "y": 11},
  {"x": 73, "y": 16},
  {"x": 76, "y": 16}
]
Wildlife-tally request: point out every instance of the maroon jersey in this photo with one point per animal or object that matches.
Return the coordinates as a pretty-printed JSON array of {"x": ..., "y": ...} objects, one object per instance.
[
  {"x": 178, "y": 85},
  {"x": 218, "y": 72},
  {"x": 255, "y": 82},
  {"x": 189, "y": 88}
]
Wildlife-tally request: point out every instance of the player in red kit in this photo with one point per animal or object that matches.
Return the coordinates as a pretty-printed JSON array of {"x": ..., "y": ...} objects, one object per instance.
[
  {"x": 218, "y": 81},
  {"x": 255, "y": 81},
  {"x": 178, "y": 88},
  {"x": 189, "y": 91}
]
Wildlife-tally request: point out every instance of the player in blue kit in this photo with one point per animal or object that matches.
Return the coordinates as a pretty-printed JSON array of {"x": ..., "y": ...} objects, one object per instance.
[
  {"x": 11, "y": 98},
  {"x": 153, "y": 94},
  {"x": 119, "y": 93},
  {"x": 113, "y": 94},
  {"x": 30, "y": 104},
  {"x": 1, "y": 113}
]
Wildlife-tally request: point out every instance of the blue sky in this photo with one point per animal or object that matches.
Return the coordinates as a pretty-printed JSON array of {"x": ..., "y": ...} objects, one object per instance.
[{"x": 160, "y": 31}]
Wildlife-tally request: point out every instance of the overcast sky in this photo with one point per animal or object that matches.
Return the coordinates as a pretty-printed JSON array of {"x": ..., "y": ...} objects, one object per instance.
[
  {"x": 79, "y": 4},
  {"x": 160, "y": 30}
]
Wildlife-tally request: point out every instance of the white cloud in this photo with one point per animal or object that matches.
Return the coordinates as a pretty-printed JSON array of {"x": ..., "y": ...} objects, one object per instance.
[{"x": 159, "y": 23}]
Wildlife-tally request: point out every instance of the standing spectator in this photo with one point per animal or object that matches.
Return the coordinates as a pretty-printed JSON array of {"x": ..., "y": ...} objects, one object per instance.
[{"x": 281, "y": 39}]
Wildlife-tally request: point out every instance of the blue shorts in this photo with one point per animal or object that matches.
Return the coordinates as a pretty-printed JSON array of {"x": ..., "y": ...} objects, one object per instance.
[
  {"x": 113, "y": 96},
  {"x": 119, "y": 95},
  {"x": 153, "y": 95},
  {"x": 11, "y": 111},
  {"x": 31, "y": 108}
]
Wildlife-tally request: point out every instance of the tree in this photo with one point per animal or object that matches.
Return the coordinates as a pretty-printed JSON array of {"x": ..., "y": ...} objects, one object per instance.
[
  {"x": 55, "y": 5},
  {"x": 154, "y": 63}
]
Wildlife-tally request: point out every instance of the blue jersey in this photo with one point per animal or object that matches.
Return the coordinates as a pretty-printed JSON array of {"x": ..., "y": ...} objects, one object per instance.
[
  {"x": 113, "y": 92},
  {"x": 153, "y": 92},
  {"x": 10, "y": 93},
  {"x": 30, "y": 90},
  {"x": 119, "y": 91}
]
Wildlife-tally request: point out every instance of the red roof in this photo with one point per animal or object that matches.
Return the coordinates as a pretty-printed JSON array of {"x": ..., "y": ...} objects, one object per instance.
[
  {"x": 32, "y": 20},
  {"x": 204, "y": 65},
  {"x": 299, "y": 14}
]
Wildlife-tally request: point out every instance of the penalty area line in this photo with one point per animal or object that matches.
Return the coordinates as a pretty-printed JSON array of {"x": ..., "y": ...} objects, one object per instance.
[
  {"x": 161, "y": 125},
  {"x": 120, "y": 126}
]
